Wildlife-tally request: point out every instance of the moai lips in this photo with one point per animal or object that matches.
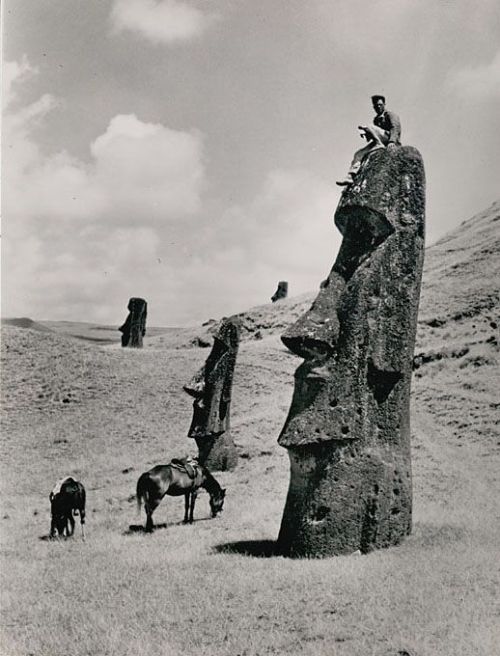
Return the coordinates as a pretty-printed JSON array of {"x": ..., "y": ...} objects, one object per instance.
[{"x": 347, "y": 430}]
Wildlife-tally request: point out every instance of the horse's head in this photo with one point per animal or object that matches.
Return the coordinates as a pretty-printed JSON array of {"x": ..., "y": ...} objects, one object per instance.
[{"x": 217, "y": 502}]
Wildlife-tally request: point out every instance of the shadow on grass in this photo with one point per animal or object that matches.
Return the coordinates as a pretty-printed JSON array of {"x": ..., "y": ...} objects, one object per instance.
[
  {"x": 140, "y": 528},
  {"x": 59, "y": 538},
  {"x": 50, "y": 538},
  {"x": 252, "y": 548},
  {"x": 423, "y": 536}
]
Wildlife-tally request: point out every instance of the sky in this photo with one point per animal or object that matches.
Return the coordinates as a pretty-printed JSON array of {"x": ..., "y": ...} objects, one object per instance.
[{"x": 186, "y": 151}]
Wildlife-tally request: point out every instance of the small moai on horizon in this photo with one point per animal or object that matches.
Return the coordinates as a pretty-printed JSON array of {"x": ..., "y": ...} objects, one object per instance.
[
  {"x": 348, "y": 427},
  {"x": 211, "y": 388},
  {"x": 134, "y": 328},
  {"x": 281, "y": 292}
]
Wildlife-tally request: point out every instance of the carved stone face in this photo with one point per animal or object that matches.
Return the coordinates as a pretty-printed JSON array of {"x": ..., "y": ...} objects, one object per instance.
[
  {"x": 211, "y": 385},
  {"x": 357, "y": 337},
  {"x": 348, "y": 428},
  {"x": 134, "y": 328}
]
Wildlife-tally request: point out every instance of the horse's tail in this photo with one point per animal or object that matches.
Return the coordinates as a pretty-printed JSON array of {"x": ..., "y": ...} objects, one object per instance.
[{"x": 142, "y": 491}]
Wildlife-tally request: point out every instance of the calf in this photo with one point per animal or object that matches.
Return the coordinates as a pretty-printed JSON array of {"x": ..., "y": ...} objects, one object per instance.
[{"x": 67, "y": 498}]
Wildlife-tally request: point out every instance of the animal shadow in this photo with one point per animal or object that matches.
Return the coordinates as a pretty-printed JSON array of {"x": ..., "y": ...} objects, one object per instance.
[
  {"x": 252, "y": 548},
  {"x": 140, "y": 528},
  {"x": 56, "y": 538}
]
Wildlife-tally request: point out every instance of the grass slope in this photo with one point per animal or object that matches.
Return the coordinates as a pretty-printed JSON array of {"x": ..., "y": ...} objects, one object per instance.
[{"x": 105, "y": 414}]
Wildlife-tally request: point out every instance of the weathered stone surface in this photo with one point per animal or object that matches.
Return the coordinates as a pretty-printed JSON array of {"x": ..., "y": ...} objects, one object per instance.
[
  {"x": 134, "y": 328},
  {"x": 281, "y": 292},
  {"x": 348, "y": 428},
  {"x": 211, "y": 388}
]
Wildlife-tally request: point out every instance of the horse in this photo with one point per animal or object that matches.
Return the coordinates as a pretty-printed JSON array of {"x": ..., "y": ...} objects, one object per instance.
[
  {"x": 177, "y": 479},
  {"x": 67, "y": 498}
]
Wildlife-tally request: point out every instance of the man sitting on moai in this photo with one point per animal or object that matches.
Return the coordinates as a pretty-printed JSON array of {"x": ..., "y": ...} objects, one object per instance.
[
  {"x": 134, "y": 328},
  {"x": 211, "y": 388},
  {"x": 348, "y": 428},
  {"x": 281, "y": 292},
  {"x": 385, "y": 131}
]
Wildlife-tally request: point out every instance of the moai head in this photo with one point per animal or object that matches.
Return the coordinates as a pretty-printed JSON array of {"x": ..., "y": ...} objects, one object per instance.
[
  {"x": 281, "y": 292},
  {"x": 134, "y": 328},
  {"x": 357, "y": 339},
  {"x": 211, "y": 385},
  {"x": 348, "y": 425}
]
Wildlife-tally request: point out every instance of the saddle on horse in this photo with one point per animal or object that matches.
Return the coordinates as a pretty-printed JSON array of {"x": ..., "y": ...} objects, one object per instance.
[{"x": 187, "y": 464}]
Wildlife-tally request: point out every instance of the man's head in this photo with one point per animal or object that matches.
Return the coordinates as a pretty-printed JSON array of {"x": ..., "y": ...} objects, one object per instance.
[{"x": 378, "y": 103}]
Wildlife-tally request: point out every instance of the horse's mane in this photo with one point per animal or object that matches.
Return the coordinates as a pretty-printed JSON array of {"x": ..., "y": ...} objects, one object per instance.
[{"x": 211, "y": 483}]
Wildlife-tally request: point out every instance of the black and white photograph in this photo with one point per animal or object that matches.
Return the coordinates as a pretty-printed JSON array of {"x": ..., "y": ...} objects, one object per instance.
[{"x": 250, "y": 310}]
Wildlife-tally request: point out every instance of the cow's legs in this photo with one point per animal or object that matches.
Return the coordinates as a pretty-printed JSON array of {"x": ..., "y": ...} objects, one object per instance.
[
  {"x": 70, "y": 526},
  {"x": 53, "y": 528}
]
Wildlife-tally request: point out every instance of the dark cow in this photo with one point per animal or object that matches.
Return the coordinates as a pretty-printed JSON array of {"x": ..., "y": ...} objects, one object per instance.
[{"x": 66, "y": 499}]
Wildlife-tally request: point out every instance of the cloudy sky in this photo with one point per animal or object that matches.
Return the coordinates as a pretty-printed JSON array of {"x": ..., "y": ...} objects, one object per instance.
[{"x": 186, "y": 151}]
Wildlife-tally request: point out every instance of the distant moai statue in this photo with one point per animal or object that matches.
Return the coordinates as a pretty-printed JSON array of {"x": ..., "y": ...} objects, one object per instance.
[
  {"x": 348, "y": 427},
  {"x": 211, "y": 388},
  {"x": 134, "y": 328},
  {"x": 281, "y": 292}
]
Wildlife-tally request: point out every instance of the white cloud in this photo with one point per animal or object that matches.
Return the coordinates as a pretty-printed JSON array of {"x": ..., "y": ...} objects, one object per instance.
[
  {"x": 285, "y": 233},
  {"x": 149, "y": 169},
  {"x": 479, "y": 82},
  {"x": 160, "y": 21},
  {"x": 12, "y": 73},
  {"x": 138, "y": 171},
  {"x": 79, "y": 235}
]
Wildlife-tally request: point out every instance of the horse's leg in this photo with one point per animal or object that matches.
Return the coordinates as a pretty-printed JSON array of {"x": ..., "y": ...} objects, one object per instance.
[
  {"x": 150, "y": 506},
  {"x": 149, "y": 517},
  {"x": 70, "y": 525},
  {"x": 53, "y": 528},
  {"x": 82, "y": 515},
  {"x": 194, "y": 494},
  {"x": 187, "y": 497}
]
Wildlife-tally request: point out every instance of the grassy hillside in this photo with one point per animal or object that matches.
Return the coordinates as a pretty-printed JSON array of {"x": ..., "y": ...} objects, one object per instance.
[{"x": 105, "y": 414}]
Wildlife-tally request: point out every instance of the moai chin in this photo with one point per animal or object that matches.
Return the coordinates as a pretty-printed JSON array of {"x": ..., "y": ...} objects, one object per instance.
[
  {"x": 134, "y": 328},
  {"x": 281, "y": 292},
  {"x": 211, "y": 388},
  {"x": 348, "y": 427}
]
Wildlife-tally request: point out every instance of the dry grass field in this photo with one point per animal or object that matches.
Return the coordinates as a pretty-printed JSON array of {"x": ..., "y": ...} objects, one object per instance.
[{"x": 87, "y": 408}]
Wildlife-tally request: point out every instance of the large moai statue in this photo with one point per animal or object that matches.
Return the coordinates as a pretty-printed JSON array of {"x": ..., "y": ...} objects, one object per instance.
[
  {"x": 281, "y": 292},
  {"x": 134, "y": 328},
  {"x": 211, "y": 388},
  {"x": 348, "y": 427}
]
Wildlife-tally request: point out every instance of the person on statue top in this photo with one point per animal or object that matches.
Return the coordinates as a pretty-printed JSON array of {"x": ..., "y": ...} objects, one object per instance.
[{"x": 385, "y": 132}]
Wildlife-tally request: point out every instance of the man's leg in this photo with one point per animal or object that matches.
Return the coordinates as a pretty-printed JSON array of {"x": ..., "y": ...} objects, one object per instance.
[
  {"x": 359, "y": 155},
  {"x": 377, "y": 138}
]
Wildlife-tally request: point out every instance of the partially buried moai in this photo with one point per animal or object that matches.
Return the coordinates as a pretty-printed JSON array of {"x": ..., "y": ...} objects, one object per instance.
[
  {"x": 348, "y": 427},
  {"x": 211, "y": 388},
  {"x": 134, "y": 328},
  {"x": 281, "y": 292}
]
